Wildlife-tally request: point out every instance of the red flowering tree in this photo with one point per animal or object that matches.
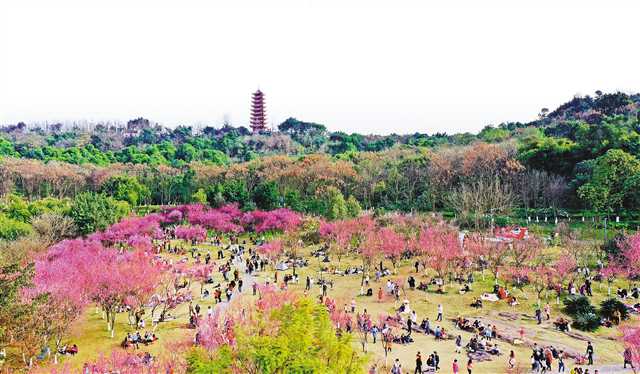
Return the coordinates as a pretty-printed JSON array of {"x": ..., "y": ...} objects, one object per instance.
[
  {"x": 192, "y": 234},
  {"x": 630, "y": 258},
  {"x": 541, "y": 278},
  {"x": 631, "y": 340},
  {"x": 392, "y": 245},
  {"x": 140, "y": 243},
  {"x": 216, "y": 330},
  {"x": 493, "y": 255},
  {"x": 201, "y": 273},
  {"x": 441, "y": 249},
  {"x": 281, "y": 220},
  {"x": 122, "y": 231},
  {"x": 272, "y": 250},
  {"x": 563, "y": 271}
]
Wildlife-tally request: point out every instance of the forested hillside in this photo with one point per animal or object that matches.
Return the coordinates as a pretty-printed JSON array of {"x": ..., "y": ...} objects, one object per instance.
[{"x": 584, "y": 155}]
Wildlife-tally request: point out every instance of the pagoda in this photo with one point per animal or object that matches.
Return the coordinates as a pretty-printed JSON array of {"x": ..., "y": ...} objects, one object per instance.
[{"x": 258, "y": 112}]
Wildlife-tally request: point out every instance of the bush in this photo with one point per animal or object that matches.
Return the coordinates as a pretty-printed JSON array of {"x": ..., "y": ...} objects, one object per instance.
[
  {"x": 578, "y": 304},
  {"x": 612, "y": 246},
  {"x": 503, "y": 221},
  {"x": 11, "y": 229},
  {"x": 609, "y": 306},
  {"x": 586, "y": 321}
]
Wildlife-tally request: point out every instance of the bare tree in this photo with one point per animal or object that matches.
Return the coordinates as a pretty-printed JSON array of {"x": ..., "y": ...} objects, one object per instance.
[{"x": 482, "y": 198}]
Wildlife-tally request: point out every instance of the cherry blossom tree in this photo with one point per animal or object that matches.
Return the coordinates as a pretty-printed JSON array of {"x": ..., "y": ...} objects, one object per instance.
[
  {"x": 281, "y": 219},
  {"x": 492, "y": 254},
  {"x": 631, "y": 340},
  {"x": 191, "y": 233},
  {"x": 441, "y": 249},
  {"x": 201, "y": 273},
  {"x": 79, "y": 271},
  {"x": 216, "y": 330},
  {"x": 564, "y": 270},
  {"x": 140, "y": 243},
  {"x": 541, "y": 277},
  {"x": 392, "y": 245},
  {"x": 272, "y": 250}
]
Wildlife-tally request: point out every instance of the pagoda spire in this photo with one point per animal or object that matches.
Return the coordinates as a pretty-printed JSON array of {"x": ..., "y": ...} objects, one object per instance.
[{"x": 258, "y": 112}]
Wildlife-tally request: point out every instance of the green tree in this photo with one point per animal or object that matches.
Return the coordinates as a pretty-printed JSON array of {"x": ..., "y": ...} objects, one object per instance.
[
  {"x": 126, "y": 188},
  {"x": 235, "y": 191},
  {"x": 305, "y": 342},
  {"x": 266, "y": 196},
  {"x": 336, "y": 207},
  {"x": 199, "y": 196},
  {"x": 92, "y": 212},
  {"x": 606, "y": 189},
  {"x": 353, "y": 207}
]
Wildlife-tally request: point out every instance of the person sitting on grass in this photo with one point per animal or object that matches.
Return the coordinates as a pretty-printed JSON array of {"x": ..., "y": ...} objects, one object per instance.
[
  {"x": 465, "y": 289},
  {"x": 477, "y": 303}
]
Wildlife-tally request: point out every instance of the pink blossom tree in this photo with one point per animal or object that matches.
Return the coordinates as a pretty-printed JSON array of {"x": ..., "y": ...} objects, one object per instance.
[
  {"x": 493, "y": 255},
  {"x": 281, "y": 220},
  {"x": 392, "y": 245},
  {"x": 631, "y": 340},
  {"x": 272, "y": 250},
  {"x": 192, "y": 234},
  {"x": 441, "y": 248},
  {"x": 201, "y": 273},
  {"x": 216, "y": 330}
]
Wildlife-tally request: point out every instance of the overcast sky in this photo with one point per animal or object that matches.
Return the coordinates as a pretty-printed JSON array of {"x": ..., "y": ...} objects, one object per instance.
[{"x": 357, "y": 66}]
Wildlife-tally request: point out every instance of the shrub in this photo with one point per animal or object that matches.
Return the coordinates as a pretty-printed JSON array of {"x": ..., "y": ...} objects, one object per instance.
[
  {"x": 586, "y": 321},
  {"x": 578, "y": 304},
  {"x": 609, "y": 306},
  {"x": 11, "y": 229}
]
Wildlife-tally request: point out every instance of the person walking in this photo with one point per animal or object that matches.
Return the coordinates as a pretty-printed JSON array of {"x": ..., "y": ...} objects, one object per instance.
[
  {"x": 627, "y": 355},
  {"x": 512, "y": 360},
  {"x": 436, "y": 360},
  {"x": 455, "y": 367},
  {"x": 590, "y": 353},
  {"x": 440, "y": 312},
  {"x": 561, "y": 366},
  {"x": 470, "y": 366},
  {"x": 459, "y": 344},
  {"x": 397, "y": 367},
  {"x": 418, "y": 364}
]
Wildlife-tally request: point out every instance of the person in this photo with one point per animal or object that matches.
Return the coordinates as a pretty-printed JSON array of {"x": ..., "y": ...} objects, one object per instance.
[
  {"x": 353, "y": 305},
  {"x": 409, "y": 325},
  {"x": 373, "y": 369},
  {"x": 418, "y": 364},
  {"x": 440, "y": 310},
  {"x": 397, "y": 368},
  {"x": 561, "y": 362},
  {"x": 197, "y": 309},
  {"x": 627, "y": 355},
  {"x": 512, "y": 360},
  {"x": 379, "y": 294},
  {"x": 308, "y": 284},
  {"x": 590, "y": 353},
  {"x": 436, "y": 360},
  {"x": 547, "y": 311},
  {"x": 455, "y": 367},
  {"x": 539, "y": 316},
  {"x": 459, "y": 344},
  {"x": 470, "y": 366},
  {"x": 374, "y": 333}
]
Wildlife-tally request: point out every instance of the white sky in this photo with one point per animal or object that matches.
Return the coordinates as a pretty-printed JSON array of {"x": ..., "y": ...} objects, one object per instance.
[{"x": 366, "y": 66}]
